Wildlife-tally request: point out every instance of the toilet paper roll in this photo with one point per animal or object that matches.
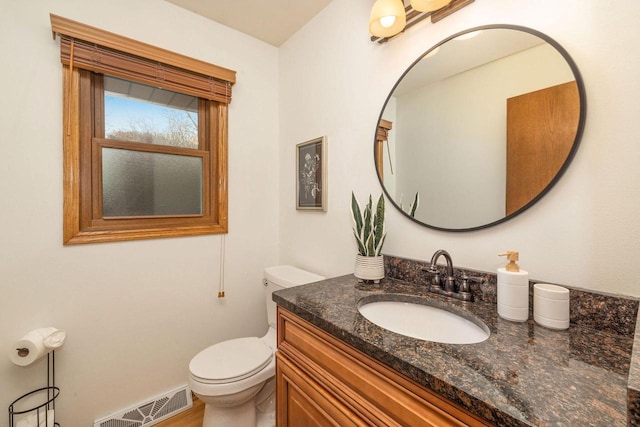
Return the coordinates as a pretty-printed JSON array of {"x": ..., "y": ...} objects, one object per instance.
[
  {"x": 35, "y": 345},
  {"x": 54, "y": 339}
]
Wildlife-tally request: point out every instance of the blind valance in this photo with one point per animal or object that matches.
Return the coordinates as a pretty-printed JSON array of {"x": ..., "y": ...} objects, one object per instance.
[{"x": 103, "y": 52}]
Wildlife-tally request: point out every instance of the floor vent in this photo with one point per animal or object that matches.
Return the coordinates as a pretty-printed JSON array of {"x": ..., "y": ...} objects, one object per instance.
[{"x": 151, "y": 411}]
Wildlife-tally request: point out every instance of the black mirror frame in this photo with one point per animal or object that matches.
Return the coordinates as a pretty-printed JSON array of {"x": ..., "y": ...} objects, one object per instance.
[{"x": 563, "y": 168}]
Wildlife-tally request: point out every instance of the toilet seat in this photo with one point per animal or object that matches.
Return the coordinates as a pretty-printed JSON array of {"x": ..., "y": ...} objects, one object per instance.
[{"x": 231, "y": 360}]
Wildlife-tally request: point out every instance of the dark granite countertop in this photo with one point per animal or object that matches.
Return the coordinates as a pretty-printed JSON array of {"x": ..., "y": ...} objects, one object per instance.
[{"x": 522, "y": 375}]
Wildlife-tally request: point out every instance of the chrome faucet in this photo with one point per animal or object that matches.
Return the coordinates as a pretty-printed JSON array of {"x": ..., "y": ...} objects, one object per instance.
[{"x": 448, "y": 286}]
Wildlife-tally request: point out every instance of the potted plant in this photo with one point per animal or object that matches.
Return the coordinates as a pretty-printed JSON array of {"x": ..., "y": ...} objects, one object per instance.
[
  {"x": 413, "y": 207},
  {"x": 368, "y": 229}
]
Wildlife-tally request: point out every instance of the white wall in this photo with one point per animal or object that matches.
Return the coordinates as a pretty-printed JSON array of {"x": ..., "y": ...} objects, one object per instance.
[
  {"x": 583, "y": 233},
  {"x": 135, "y": 312}
]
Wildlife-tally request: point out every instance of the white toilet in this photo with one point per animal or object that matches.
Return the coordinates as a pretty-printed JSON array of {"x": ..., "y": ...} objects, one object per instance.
[{"x": 235, "y": 377}]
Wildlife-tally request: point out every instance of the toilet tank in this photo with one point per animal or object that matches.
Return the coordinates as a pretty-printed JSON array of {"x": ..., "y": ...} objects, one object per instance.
[{"x": 281, "y": 277}]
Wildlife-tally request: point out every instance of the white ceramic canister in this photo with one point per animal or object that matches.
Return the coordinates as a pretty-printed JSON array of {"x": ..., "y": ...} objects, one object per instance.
[{"x": 551, "y": 306}]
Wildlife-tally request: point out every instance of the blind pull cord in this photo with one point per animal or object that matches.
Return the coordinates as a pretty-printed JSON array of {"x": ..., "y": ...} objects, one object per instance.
[
  {"x": 69, "y": 88},
  {"x": 222, "y": 249}
]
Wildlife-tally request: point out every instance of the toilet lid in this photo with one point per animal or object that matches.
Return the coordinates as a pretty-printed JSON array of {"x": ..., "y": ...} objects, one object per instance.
[{"x": 231, "y": 360}]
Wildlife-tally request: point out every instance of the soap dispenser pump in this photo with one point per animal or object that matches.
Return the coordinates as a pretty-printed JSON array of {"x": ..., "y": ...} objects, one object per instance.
[
  {"x": 513, "y": 290},
  {"x": 512, "y": 257}
]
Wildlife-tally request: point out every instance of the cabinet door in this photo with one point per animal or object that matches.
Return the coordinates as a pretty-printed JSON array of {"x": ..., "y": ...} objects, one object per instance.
[
  {"x": 338, "y": 385},
  {"x": 302, "y": 402}
]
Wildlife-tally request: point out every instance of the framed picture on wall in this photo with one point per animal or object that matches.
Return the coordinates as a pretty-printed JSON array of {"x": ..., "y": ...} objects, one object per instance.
[{"x": 311, "y": 175}]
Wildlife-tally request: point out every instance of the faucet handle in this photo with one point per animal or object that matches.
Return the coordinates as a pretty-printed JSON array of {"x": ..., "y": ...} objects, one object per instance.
[
  {"x": 465, "y": 285},
  {"x": 465, "y": 288},
  {"x": 467, "y": 278},
  {"x": 431, "y": 269},
  {"x": 436, "y": 281}
]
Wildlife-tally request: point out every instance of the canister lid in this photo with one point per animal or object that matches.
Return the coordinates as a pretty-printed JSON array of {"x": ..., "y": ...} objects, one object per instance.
[{"x": 551, "y": 291}]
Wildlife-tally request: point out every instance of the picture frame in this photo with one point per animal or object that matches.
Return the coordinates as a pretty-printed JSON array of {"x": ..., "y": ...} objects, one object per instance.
[{"x": 311, "y": 175}]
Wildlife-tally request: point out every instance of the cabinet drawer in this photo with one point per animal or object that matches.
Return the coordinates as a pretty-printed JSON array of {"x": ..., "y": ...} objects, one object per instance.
[{"x": 369, "y": 389}]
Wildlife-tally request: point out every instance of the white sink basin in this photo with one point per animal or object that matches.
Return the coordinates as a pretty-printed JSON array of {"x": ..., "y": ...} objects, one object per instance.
[{"x": 424, "y": 322}]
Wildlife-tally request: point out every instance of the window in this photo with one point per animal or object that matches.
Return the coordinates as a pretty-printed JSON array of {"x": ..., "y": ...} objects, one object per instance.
[
  {"x": 145, "y": 139},
  {"x": 150, "y": 157}
]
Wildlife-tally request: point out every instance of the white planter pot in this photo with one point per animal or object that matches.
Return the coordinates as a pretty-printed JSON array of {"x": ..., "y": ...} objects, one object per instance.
[{"x": 369, "y": 268}]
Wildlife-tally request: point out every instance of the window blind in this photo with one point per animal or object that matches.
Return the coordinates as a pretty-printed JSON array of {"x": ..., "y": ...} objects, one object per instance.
[{"x": 81, "y": 46}]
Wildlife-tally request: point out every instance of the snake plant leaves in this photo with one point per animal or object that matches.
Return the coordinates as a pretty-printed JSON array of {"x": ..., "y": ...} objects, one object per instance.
[
  {"x": 378, "y": 227},
  {"x": 368, "y": 228},
  {"x": 414, "y": 206},
  {"x": 356, "y": 215}
]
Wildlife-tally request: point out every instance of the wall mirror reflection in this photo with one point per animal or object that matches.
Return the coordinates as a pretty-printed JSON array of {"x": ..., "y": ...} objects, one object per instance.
[{"x": 480, "y": 127}]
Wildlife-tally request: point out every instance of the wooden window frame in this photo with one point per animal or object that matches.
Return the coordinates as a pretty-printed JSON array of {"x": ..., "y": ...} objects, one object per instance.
[{"x": 83, "y": 137}]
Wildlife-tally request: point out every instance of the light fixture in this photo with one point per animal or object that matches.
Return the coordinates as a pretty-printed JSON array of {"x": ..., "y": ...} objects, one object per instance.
[
  {"x": 428, "y": 5},
  {"x": 387, "y": 18},
  {"x": 390, "y": 17}
]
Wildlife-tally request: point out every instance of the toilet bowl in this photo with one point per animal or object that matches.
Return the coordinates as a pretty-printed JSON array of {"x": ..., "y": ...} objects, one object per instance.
[{"x": 234, "y": 377}]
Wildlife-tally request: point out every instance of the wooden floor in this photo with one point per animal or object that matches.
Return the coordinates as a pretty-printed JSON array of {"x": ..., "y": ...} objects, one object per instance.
[{"x": 189, "y": 418}]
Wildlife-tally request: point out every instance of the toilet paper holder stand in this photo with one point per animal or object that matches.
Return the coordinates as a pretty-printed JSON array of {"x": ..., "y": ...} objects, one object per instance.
[{"x": 49, "y": 395}]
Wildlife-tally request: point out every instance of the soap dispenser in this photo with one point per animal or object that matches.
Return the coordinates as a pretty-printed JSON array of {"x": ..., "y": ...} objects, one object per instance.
[{"x": 513, "y": 290}]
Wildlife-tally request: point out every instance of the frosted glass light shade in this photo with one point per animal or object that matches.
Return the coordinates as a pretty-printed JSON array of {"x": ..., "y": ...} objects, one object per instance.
[
  {"x": 381, "y": 23},
  {"x": 428, "y": 5}
]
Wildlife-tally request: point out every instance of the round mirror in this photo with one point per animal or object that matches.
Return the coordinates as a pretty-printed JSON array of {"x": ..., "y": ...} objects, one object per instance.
[{"x": 479, "y": 127}]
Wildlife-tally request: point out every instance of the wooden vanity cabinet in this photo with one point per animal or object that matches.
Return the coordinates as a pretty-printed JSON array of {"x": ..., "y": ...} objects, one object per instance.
[{"x": 322, "y": 381}]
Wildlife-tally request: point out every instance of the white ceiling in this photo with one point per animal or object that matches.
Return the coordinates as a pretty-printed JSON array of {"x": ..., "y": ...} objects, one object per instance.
[{"x": 272, "y": 21}]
